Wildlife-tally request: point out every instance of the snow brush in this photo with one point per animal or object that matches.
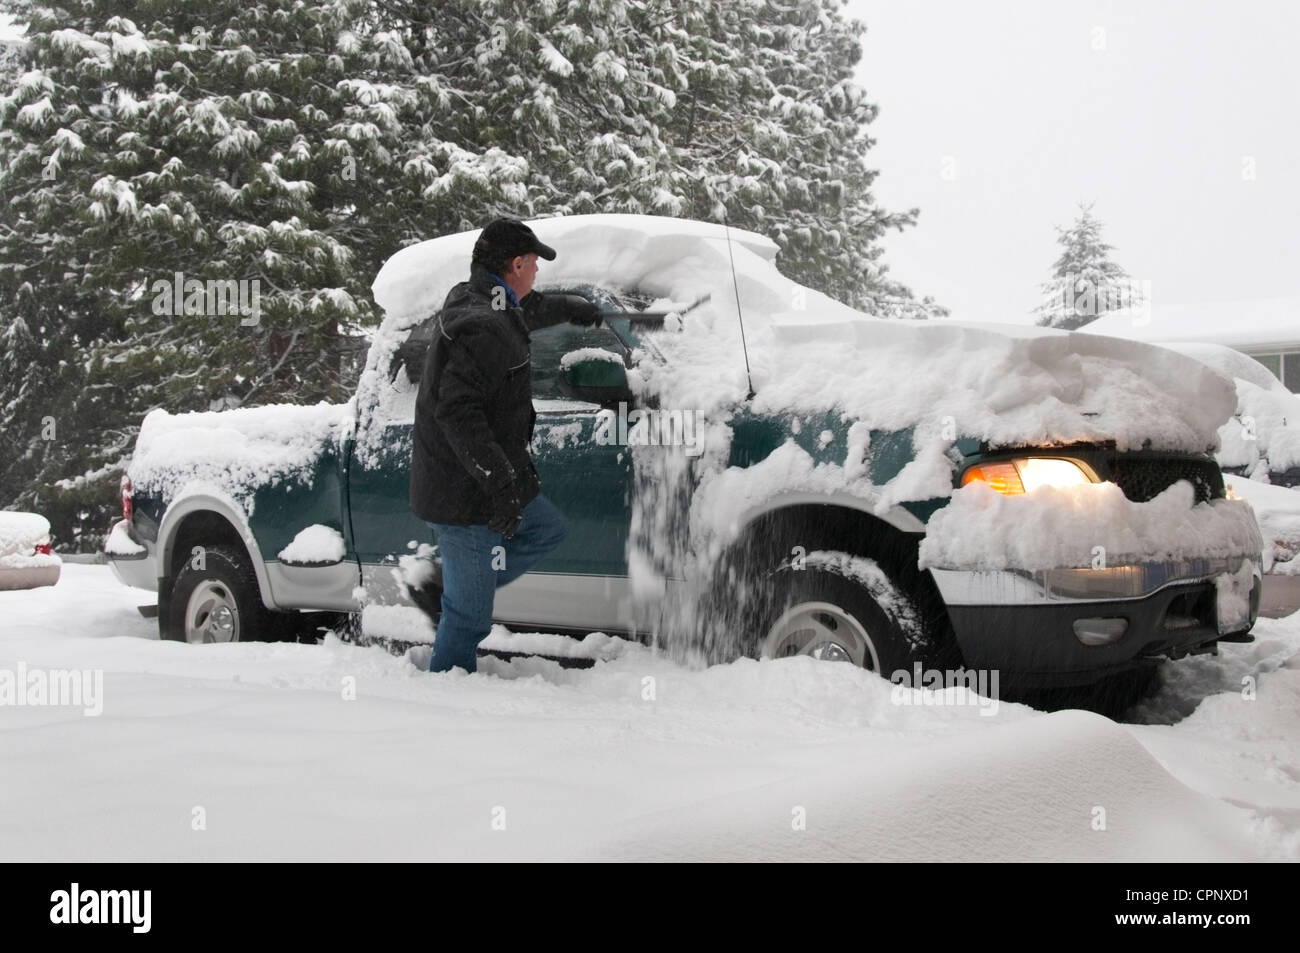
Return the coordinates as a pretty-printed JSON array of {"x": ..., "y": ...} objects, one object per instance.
[{"x": 654, "y": 317}]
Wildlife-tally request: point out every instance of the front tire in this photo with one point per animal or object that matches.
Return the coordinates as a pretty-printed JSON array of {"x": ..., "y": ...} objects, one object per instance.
[
  {"x": 835, "y": 606},
  {"x": 219, "y": 601}
]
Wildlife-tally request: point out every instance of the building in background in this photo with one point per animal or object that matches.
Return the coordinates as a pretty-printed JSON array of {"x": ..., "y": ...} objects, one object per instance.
[{"x": 1268, "y": 329}]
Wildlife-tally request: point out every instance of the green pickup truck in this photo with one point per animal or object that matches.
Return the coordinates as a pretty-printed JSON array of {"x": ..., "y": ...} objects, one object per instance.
[{"x": 768, "y": 474}]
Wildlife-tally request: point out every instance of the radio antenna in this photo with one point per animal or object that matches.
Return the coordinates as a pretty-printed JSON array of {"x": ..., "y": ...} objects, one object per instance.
[{"x": 739, "y": 316}]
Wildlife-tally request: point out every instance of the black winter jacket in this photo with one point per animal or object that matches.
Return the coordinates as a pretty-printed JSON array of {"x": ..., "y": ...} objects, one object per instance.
[{"x": 474, "y": 413}]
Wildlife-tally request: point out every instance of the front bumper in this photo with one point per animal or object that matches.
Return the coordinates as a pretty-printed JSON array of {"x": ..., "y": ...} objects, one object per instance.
[{"x": 1042, "y": 629}]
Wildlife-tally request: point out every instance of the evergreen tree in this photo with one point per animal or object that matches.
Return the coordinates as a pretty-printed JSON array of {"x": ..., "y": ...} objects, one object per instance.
[
  {"x": 299, "y": 144},
  {"x": 1085, "y": 283},
  {"x": 771, "y": 134},
  {"x": 744, "y": 112},
  {"x": 247, "y": 146}
]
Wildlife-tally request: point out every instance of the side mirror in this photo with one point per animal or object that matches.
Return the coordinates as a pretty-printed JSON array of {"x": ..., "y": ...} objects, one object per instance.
[{"x": 598, "y": 379}]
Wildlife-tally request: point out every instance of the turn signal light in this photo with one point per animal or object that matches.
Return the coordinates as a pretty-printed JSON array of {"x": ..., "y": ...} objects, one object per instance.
[{"x": 1003, "y": 477}]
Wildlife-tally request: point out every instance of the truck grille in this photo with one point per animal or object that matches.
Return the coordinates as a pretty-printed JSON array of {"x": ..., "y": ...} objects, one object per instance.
[{"x": 1143, "y": 478}]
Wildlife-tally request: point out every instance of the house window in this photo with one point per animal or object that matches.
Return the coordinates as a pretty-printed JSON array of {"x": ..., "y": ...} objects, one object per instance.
[
  {"x": 1272, "y": 361},
  {"x": 1291, "y": 371},
  {"x": 1284, "y": 366}
]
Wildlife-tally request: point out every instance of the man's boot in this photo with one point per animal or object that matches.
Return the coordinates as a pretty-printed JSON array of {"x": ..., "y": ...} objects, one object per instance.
[{"x": 428, "y": 597}]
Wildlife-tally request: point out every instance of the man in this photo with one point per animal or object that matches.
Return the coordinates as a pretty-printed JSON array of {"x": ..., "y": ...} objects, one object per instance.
[{"x": 472, "y": 474}]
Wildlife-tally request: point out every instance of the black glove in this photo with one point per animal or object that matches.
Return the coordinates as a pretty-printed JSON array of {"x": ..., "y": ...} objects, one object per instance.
[
  {"x": 581, "y": 311},
  {"x": 507, "y": 511}
]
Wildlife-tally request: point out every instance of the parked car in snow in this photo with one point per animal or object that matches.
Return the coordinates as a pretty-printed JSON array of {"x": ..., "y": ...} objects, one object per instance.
[
  {"x": 1259, "y": 451},
  {"x": 26, "y": 560},
  {"x": 1262, "y": 440},
  {"x": 1277, "y": 509},
  {"x": 895, "y": 494}
]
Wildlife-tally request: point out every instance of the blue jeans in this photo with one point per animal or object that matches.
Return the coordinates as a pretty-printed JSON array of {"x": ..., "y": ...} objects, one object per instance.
[{"x": 474, "y": 568}]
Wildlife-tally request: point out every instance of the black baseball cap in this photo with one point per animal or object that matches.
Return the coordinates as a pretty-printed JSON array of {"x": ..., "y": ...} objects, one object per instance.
[{"x": 508, "y": 237}]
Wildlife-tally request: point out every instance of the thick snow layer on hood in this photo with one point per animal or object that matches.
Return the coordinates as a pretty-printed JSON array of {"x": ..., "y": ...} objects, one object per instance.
[
  {"x": 1008, "y": 385},
  {"x": 1051, "y": 527},
  {"x": 237, "y": 451}
]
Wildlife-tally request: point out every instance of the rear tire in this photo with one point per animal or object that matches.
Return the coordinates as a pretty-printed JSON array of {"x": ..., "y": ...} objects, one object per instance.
[{"x": 219, "y": 602}]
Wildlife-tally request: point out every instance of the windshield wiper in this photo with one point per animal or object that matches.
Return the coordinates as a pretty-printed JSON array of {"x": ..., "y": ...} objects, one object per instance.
[{"x": 652, "y": 318}]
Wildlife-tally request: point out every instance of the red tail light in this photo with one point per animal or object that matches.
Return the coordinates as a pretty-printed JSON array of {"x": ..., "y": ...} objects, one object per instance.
[
  {"x": 43, "y": 549},
  {"x": 128, "y": 508}
]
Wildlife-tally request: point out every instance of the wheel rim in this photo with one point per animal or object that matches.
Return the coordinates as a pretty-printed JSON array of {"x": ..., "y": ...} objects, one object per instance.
[
  {"x": 212, "y": 614},
  {"x": 823, "y": 631}
]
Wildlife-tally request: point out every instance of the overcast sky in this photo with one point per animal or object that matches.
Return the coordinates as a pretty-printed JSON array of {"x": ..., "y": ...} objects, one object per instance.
[{"x": 1155, "y": 110}]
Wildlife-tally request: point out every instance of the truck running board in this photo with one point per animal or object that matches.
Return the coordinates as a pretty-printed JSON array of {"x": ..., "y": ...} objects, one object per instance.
[{"x": 401, "y": 647}]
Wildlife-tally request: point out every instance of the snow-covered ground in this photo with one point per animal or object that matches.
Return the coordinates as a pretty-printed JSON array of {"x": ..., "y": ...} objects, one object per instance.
[{"x": 295, "y": 752}]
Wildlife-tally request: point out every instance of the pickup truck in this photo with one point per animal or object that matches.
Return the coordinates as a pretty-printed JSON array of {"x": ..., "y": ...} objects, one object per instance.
[{"x": 769, "y": 474}]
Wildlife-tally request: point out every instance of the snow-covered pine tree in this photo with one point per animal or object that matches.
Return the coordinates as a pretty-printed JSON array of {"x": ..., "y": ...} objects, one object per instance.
[
  {"x": 743, "y": 111},
  {"x": 1085, "y": 283},
  {"x": 771, "y": 131},
  {"x": 299, "y": 144},
  {"x": 549, "y": 101},
  {"x": 258, "y": 149}
]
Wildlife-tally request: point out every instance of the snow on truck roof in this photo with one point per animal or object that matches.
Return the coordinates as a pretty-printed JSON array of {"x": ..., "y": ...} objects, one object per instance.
[
  {"x": 1009, "y": 385},
  {"x": 611, "y": 250}
]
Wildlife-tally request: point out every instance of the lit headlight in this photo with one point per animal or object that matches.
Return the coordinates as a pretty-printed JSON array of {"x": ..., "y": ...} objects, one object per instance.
[
  {"x": 1036, "y": 472},
  {"x": 1026, "y": 474}
]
